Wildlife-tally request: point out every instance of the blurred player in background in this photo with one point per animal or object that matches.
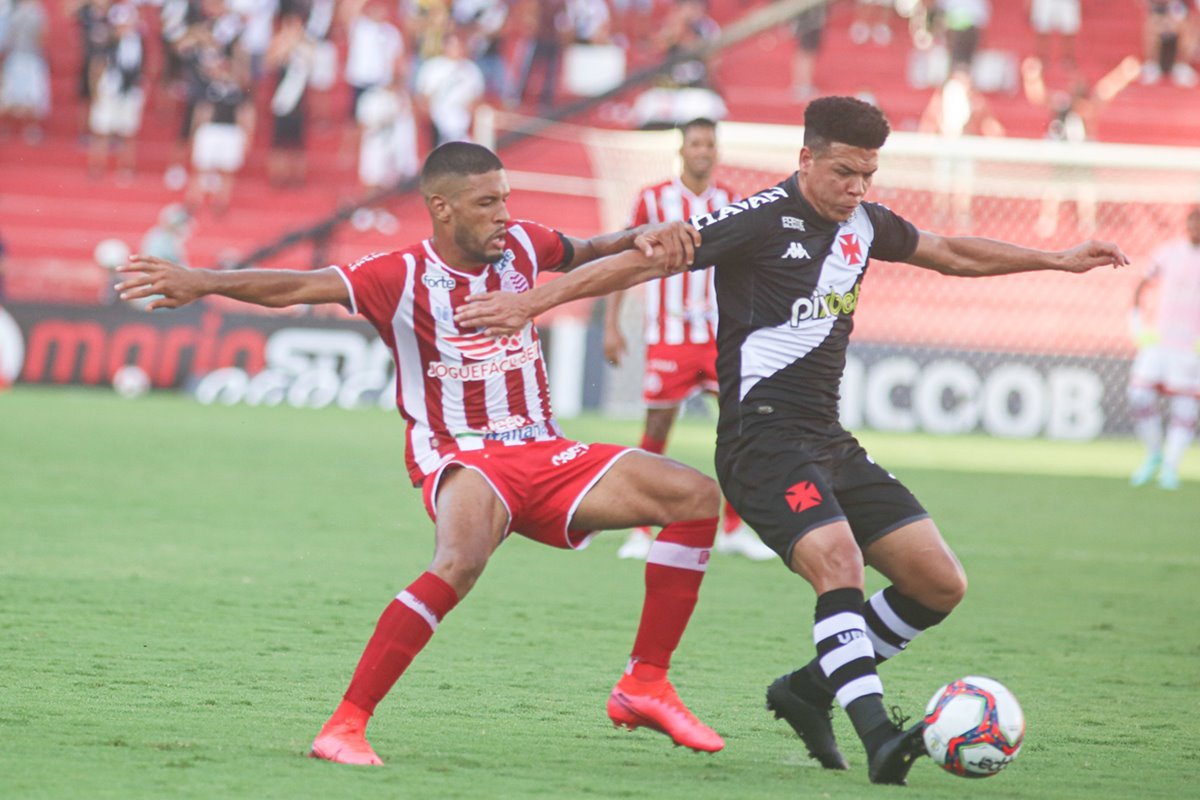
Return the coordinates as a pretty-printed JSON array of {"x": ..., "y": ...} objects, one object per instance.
[
  {"x": 481, "y": 439},
  {"x": 789, "y": 264},
  {"x": 680, "y": 325},
  {"x": 1168, "y": 359}
]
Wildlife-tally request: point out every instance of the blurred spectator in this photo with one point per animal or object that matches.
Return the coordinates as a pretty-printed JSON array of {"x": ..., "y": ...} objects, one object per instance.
[
  {"x": 374, "y": 57},
  {"x": 117, "y": 95},
  {"x": 224, "y": 126},
  {"x": 687, "y": 29},
  {"x": 25, "y": 80},
  {"x": 1073, "y": 113},
  {"x": 1048, "y": 17},
  {"x": 319, "y": 26},
  {"x": 542, "y": 47},
  {"x": 428, "y": 25},
  {"x": 955, "y": 110},
  {"x": 210, "y": 37},
  {"x": 92, "y": 18},
  {"x": 591, "y": 21},
  {"x": 964, "y": 22},
  {"x": 449, "y": 88},
  {"x": 1168, "y": 44},
  {"x": 872, "y": 22},
  {"x": 257, "y": 23},
  {"x": 1073, "y": 110},
  {"x": 482, "y": 22},
  {"x": 168, "y": 238},
  {"x": 809, "y": 29},
  {"x": 387, "y": 150},
  {"x": 290, "y": 57},
  {"x": 959, "y": 109}
]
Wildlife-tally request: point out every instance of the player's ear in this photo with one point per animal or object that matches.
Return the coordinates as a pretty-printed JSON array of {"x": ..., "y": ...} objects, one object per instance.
[{"x": 439, "y": 207}]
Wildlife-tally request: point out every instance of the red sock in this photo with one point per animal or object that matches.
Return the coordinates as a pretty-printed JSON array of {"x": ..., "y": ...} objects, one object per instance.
[
  {"x": 657, "y": 446},
  {"x": 730, "y": 520},
  {"x": 674, "y": 569},
  {"x": 405, "y": 627}
]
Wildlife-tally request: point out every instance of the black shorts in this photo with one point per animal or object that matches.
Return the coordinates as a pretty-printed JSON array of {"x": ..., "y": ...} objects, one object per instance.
[{"x": 785, "y": 484}]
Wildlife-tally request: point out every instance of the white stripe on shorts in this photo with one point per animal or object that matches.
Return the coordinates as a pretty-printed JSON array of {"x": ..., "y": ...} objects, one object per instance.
[
  {"x": 670, "y": 554},
  {"x": 859, "y": 687},
  {"x": 412, "y": 601}
]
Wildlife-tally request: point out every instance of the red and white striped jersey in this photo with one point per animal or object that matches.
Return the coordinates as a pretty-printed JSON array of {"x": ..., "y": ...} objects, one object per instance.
[
  {"x": 681, "y": 308},
  {"x": 458, "y": 389}
]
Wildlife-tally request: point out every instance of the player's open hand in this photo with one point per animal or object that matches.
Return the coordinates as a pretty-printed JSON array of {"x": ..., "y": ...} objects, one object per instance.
[
  {"x": 1092, "y": 254},
  {"x": 175, "y": 285},
  {"x": 497, "y": 313},
  {"x": 678, "y": 242}
]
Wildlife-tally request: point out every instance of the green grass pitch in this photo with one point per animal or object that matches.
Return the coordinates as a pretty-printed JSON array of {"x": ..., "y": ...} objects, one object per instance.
[{"x": 184, "y": 591}]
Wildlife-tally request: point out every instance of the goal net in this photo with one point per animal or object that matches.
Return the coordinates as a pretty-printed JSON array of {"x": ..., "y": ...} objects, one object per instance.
[{"x": 1034, "y": 354}]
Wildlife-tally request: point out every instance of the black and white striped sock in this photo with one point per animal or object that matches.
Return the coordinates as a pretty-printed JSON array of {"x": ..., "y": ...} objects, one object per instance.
[
  {"x": 844, "y": 650},
  {"x": 847, "y": 662},
  {"x": 894, "y": 620}
]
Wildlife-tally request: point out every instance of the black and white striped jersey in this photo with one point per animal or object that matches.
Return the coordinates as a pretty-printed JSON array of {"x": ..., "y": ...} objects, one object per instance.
[{"x": 787, "y": 284}]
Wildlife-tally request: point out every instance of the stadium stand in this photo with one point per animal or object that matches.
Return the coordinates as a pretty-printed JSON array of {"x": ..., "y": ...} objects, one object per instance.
[{"x": 52, "y": 214}]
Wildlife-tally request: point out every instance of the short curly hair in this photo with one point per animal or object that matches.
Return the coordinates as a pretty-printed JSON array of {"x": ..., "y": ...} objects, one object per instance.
[{"x": 844, "y": 119}]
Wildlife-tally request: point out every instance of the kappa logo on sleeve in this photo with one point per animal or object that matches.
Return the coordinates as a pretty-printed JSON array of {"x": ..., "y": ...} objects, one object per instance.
[{"x": 802, "y": 496}]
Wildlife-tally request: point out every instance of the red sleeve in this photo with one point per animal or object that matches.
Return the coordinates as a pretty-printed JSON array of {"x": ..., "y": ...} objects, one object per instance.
[
  {"x": 376, "y": 283},
  {"x": 548, "y": 245}
]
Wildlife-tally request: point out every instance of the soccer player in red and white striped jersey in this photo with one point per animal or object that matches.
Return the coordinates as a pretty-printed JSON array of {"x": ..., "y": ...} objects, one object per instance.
[
  {"x": 481, "y": 437},
  {"x": 680, "y": 324}
]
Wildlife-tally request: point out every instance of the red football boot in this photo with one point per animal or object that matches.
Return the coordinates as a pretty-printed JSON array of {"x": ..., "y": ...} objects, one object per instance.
[
  {"x": 344, "y": 742},
  {"x": 655, "y": 705}
]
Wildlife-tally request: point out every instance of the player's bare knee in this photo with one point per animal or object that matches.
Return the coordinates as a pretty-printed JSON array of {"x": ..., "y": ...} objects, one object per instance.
[
  {"x": 700, "y": 498},
  {"x": 459, "y": 567},
  {"x": 941, "y": 590},
  {"x": 831, "y": 564}
]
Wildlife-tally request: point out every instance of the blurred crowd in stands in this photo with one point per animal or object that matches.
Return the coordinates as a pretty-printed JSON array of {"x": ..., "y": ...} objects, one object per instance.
[{"x": 399, "y": 76}]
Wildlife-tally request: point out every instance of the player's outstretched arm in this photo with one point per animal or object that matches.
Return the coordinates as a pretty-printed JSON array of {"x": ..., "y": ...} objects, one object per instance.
[
  {"x": 505, "y": 313},
  {"x": 973, "y": 257},
  {"x": 677, "y": 240},
  {"x": 273, "y": 288}
]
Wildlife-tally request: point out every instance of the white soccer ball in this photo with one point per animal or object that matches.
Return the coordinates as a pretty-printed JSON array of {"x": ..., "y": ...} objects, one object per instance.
[
  {"x": 131, "y": 381},
  {"x": 973, "y": 727},
  {"x": 111, "y": 253}
]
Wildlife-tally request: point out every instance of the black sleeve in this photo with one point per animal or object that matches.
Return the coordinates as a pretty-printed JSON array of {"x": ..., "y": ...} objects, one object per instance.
[
  {"x": 726, "y": 235},
  {"x": 895, "y": 237},
  {"x": 568, "y": 253}
]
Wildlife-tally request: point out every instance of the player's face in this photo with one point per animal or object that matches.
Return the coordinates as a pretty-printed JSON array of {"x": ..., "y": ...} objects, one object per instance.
[
  {"x": 836, "y": 180},
  {"x": 479, "y": 215},
  {"x": 699, "y": 152}
]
